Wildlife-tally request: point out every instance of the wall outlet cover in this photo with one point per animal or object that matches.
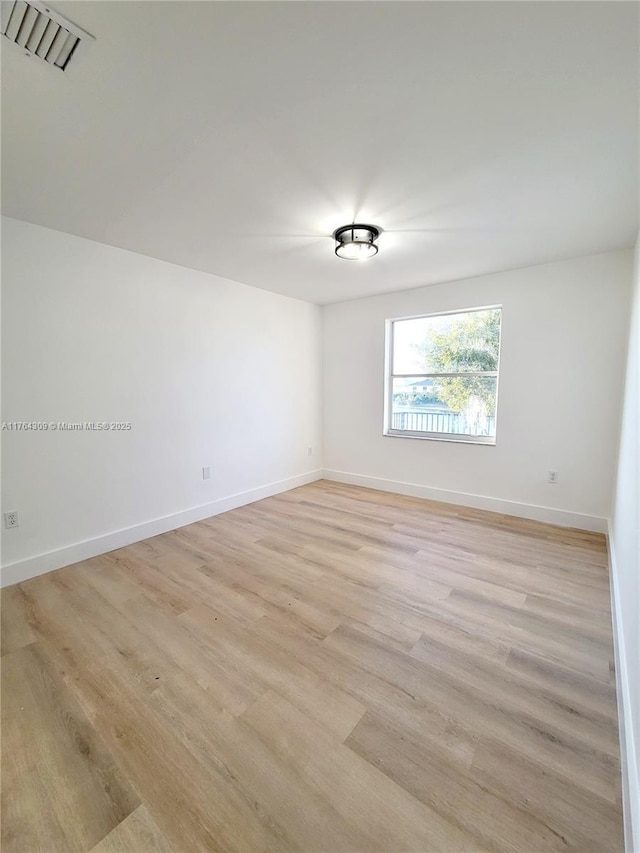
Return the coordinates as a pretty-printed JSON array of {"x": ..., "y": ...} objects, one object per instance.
[{"x": 11, "y": 520}]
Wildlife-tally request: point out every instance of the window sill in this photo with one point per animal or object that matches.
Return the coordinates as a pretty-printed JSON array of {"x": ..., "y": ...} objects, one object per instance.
[{"x": 452, "y": 438}]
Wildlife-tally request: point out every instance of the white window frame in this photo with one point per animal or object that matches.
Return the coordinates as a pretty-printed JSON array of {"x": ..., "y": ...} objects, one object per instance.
[{"x": 389, "y": 376}]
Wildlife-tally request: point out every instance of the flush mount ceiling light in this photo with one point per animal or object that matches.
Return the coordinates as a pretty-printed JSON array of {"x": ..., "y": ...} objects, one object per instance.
[{"x": 356, "y": 242}]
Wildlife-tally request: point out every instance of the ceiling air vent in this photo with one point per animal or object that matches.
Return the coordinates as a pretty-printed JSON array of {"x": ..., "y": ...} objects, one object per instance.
[{"x": 39, "y": 31}]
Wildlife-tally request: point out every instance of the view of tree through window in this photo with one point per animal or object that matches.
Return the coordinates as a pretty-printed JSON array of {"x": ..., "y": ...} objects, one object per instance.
[{"x": 443, "y": 375}]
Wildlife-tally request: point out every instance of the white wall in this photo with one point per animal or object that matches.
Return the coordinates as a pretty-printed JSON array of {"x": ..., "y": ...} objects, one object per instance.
[
  {"x": 625, "y": 552},
  {"x": 563, "y": 342},
  {"x": 208, "y": 372}
]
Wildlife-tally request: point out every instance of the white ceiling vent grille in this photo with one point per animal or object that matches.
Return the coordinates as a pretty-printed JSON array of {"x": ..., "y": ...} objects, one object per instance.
[{"x": 41, "y": 32}]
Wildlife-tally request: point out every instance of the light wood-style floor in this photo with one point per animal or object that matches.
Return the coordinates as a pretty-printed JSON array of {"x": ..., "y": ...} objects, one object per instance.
[{"x": 332, "y": 669}]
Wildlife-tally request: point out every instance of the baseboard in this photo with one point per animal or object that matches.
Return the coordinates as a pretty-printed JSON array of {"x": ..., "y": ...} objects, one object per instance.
[
  {"x": 561, "y": 517},
  {"x": 630, "y": 769},
  {"x": 24, "y": 569}
]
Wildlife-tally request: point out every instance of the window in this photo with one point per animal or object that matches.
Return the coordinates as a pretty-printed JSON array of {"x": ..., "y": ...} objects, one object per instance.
[{"x": 442, "y": 376}]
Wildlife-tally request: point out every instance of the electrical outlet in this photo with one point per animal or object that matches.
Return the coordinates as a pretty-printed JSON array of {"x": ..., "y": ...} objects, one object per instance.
[
  {"x": 310, "y": 451},
  {"x": 206, "y": 473},
  {"x": 11, "y": 520},
  {"x": 552, "y": 477}
]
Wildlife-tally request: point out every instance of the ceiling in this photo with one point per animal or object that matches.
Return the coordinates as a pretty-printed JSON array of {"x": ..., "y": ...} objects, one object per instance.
[{"x": 234, "y": 137}]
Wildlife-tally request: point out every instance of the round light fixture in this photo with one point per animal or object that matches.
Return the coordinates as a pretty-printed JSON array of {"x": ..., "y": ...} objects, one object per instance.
[{"x": 356, "y": 242}]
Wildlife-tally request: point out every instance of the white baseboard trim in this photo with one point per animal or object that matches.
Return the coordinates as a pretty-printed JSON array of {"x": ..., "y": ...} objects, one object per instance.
[
  {"x": 630, "y": 769},
  {"x": 561, "y": 517},
  {"x": 24, "y": 569}
]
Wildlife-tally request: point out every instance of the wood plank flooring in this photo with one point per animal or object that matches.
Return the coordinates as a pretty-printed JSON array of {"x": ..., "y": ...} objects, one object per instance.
[{"x": 331, "y": 669}]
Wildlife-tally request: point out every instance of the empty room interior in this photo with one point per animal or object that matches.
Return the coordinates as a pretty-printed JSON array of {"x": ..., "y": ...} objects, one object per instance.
[{"x": 320, "y": 427}]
